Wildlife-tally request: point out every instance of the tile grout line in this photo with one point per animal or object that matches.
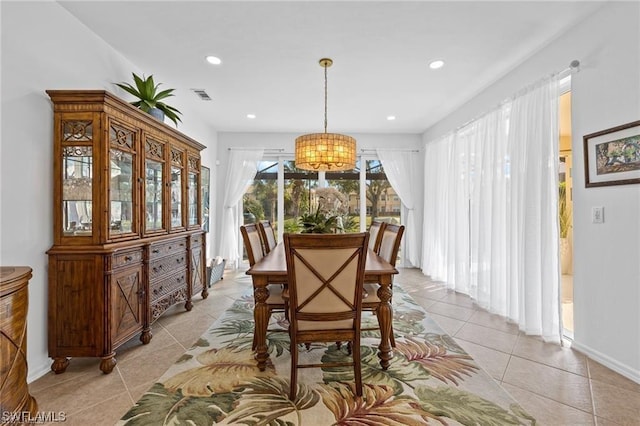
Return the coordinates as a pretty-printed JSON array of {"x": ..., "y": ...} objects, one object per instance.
[
  {"x": 593, "y": 403},
  {"x": 125, "y": 385}
]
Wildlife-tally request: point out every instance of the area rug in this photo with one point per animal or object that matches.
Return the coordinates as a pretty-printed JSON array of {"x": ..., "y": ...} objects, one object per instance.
[{"x": 430, "y": 380}]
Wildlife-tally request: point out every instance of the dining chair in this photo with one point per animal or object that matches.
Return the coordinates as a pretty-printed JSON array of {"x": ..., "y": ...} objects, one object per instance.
[
  {"x": 326, "y": 278},
  {"x": 375, "y": 233},
  {"x": 268, "y": 235},
  {"x": 388, "y": 248},
  {"x": 253, "y": 244}
]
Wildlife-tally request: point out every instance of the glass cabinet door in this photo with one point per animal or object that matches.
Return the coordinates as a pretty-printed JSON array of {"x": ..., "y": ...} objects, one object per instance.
[
  {"x": 154, "y": 185},
  {"x": 121, "y": 200},
  {"x": 192, "y": 218},
  {"x": 205, "y": 175},
  {"x": 176, "y": 188},
  {"x": 176, "y": 197},
  {"x": 77, "y": 189},
  {"x": 121, "y": 180},
  {"x": 153, "y": 195}
]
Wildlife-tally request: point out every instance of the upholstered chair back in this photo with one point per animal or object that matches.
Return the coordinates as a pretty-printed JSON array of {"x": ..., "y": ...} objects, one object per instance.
[
  {"x": 375, "y": 233},
  {"x": 268, "y": 236},
  {"x": 252, "y": 242},
  {"x": 390, "y": 242}
]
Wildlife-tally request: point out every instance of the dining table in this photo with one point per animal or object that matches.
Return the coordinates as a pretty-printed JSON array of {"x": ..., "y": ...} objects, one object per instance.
[{"x": 272, "y": 269}]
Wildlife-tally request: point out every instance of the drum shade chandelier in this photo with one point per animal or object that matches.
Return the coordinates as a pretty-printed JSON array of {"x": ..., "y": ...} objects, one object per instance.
[{"x": 325, "y": 151}]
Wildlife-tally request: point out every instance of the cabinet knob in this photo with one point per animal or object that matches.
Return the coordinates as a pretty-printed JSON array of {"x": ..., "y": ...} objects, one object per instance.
[{"x": 128, "y": 258}]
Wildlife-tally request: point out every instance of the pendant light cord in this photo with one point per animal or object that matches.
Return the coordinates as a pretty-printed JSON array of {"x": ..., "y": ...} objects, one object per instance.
[{"x": 325, "y": 97}]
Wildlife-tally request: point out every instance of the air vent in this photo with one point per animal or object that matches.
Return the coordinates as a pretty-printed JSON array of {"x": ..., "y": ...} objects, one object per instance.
[{"x": 202, "y": 94}]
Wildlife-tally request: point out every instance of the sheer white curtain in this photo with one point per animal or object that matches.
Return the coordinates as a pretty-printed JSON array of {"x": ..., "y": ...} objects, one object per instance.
[
  {"x": 402, "y": 170},
  {"x": 241, "y": 169},
  {"x": 491, "y": 210},
  {"x": 445, "y": 243}
]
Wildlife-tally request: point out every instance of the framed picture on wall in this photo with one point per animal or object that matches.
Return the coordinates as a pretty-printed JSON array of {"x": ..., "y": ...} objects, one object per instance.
[
  {"x": 205, "y": 184},
  {"x": 612, "y": 156}
]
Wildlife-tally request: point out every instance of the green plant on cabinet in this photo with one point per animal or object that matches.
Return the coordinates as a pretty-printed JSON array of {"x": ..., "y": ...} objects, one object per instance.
[{"x": 150, "y": 97}]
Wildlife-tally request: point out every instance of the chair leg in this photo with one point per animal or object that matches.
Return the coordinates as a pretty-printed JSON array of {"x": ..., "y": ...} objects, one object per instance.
[
  {"x": 357, "y": 366},
  {"x": 293, "y": 380}
]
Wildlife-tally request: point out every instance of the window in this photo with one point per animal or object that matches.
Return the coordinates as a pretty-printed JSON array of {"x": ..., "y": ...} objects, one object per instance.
[
  {"x": 380, "y": 195},
  {"x": 282, "y": 193}
]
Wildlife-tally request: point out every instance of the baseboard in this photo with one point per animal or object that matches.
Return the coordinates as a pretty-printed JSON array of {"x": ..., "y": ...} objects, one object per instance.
[
  {"x": 35, "y": 374},
  {"x": 625, "y": 370}
]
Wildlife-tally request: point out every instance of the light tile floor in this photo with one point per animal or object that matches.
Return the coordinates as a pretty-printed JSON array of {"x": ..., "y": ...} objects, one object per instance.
[{"x": 557, "y": 385}]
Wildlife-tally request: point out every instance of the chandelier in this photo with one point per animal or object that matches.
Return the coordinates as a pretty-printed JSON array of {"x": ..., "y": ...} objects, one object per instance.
[{"x": 325, "y": 151}]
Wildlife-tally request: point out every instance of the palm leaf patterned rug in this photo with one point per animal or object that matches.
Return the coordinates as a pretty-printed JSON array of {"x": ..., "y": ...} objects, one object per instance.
[{"x": 431, "y": 380}]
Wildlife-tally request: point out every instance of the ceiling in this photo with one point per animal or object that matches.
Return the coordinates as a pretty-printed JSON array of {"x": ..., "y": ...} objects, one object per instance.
[{"x": 381, "y": 50}]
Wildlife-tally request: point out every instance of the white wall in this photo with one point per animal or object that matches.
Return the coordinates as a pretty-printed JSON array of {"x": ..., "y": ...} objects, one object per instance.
[
  {"x": 286, "y": 141},
  {"x": 44, "y": 47},
  {"x": 605, "y": 93}
]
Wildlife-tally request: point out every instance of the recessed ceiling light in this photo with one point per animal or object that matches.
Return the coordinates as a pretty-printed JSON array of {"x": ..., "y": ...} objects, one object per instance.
[
  {"x": 251, "y": 116},
  {"x": 391, "y": 117},
  {"x": 434, "y": 65},
  {"x": 214, "y": 60}
]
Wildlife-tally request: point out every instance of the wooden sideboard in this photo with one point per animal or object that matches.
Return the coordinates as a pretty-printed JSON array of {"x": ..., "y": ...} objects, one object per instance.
[
  {"x": 128, "y": 238},
  {"x": 14, "y": 301}
]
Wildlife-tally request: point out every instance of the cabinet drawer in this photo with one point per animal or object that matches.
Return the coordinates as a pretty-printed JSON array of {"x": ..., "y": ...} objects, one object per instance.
[
  {"x": 160, "y": 250},
  {"x": 127, "y": 258},
  {"x": 167, "y": 265},
  {"x": 196, "y": 240},
  {"x": 166, "y": 285}
]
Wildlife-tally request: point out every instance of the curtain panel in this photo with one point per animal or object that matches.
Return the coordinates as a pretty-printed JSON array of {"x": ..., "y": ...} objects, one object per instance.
[
  {"x": 491, "y": 225},
  {"x": 401, "y": 168},
  {"x": 241, "y": 170}
]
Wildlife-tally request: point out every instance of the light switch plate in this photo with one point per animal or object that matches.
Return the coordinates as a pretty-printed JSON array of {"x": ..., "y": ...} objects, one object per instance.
[{"x": 597, "y": 214}]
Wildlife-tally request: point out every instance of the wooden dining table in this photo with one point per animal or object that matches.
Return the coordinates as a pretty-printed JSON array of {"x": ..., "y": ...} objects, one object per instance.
[{"x": 272, "y": 269}]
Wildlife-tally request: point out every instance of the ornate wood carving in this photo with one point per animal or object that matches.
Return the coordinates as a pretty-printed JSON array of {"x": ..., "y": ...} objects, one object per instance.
[
  {"x": 177, "y": 157},
  {"x": 121, "y": 137},
  {"x": 154, "y": 149},
  {"x": 194, "y": 164},
  {"x": 160, "y": 306},
  {"x": 77, "y": 131}
]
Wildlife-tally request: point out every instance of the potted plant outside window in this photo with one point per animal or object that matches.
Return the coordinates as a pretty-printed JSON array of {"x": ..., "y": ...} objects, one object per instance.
[{"x": 150, "y": 97}]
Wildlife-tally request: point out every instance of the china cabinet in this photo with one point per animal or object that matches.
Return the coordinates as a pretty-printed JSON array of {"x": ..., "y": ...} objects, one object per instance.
[{"x": 128, "y": 239}]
